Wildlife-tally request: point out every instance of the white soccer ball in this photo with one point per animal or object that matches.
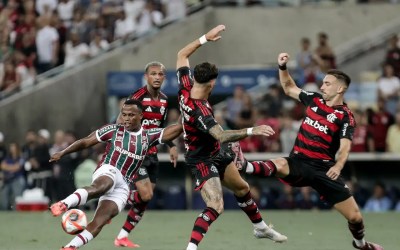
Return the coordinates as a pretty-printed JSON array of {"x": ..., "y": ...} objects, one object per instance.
[{"x": 74, "y": 221}]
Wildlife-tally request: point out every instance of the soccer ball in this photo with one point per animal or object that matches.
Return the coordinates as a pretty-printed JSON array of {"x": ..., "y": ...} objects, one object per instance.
[{"x": 73, "y": 221}]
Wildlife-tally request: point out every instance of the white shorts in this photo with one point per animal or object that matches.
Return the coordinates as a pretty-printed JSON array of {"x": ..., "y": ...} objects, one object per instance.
[{"x": 119, "y": 191}]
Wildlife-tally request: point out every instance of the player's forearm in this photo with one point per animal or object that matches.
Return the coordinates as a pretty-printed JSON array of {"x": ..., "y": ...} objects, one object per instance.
[
  {"x": 188, "y": 50},
  {"x": 342, "y": 157},
  {"x": 232, "y": 135},
  {"x": 76, "y": 146},
  {"x": 286, "y": 80},
  {"x": 171, "y": 132}
]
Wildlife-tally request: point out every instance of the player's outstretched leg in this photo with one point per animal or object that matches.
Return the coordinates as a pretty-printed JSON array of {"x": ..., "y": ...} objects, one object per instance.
[{"x": 79, "y": 197}]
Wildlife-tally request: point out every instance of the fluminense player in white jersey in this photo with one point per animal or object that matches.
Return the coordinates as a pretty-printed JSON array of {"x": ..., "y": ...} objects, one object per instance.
[{"x": 127, "y": 146}]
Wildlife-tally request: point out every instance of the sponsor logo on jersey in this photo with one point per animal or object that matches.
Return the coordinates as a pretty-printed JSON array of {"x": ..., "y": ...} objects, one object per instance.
[
  {"x": 151, "y": 122},
  {"x": 149, "y": 109},
  {"x": 202, "y": 122},
  {"x": 129, "y": 154},
  {"x": 316, "y": 125},
  {"x": 331, "y": 118},
  {"x": 142, "y": 171},
  {"x": 106, "y": 129},
  {"x": 344, "y": 130},
  {"x": 314, "y": 109}
]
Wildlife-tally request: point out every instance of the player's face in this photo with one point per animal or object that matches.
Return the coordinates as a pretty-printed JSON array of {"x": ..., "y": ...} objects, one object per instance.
[
  {"x": 331, "y": 87},
  {"x": 131, "y": 117},
  {"x": 155, "y": 76}
]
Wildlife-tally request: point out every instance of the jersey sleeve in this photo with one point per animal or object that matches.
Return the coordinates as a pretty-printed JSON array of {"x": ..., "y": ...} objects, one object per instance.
[
  {"x": 348, "y": 126},
  {"x": 155, "y": 136},
  {"x": 307, "y": 97},
  {"x": 184, "y": 76},
  {"x": 204, "y": 120},
  {"x": 106, "y": 132}
]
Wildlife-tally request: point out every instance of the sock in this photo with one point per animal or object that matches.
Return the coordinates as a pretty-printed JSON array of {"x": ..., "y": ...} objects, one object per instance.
[
  {"x": 81, "y": 239},
  {"x": 79, "y": 197},
  {"x": 261, "y": 168},
  {"x": 135, "y": 214},
  {"x": 357, "y": 230},
  {"x": 201, "y": 225},
  {"x": 247, "y": 204}
]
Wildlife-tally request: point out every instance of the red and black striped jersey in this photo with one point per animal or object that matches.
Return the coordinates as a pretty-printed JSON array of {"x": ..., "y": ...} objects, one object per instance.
[
  {"x": 197, "y": 119},
  {"x": 126, "y": 150},
  {"x": 322, "y": 128},
  {"x": 154, "y": 111}
]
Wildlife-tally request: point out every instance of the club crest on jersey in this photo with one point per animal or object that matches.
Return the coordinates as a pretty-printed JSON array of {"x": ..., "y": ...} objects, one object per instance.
[
  {"x": 162, "y": 110},
  {"x": 331, "y": 118}
]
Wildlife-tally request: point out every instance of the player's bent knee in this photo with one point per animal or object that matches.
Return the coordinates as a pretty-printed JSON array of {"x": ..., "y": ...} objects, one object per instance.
[
  {"x": 355, "y": 217},
  {"x": 217, "y": 206},
  {"x": 147, "y": 195},
  {"x": 242, "y": 189}
]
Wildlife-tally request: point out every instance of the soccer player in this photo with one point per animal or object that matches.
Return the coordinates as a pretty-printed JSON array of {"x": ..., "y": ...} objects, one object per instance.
[
  {"x": 155, "y": 104},
  {"x": 127, "y": 146},
  {"x": 326, "y": 130},
  {"x": 211, "y": 167}
]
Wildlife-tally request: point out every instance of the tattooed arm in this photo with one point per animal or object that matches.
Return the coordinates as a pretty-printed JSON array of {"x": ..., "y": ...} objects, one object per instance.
[
  {"x": 234, "y": 135},
  {"x": 287, "y": 82}
]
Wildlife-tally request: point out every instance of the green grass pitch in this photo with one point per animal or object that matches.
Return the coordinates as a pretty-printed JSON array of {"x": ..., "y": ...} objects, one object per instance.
[{"x": 170, "y": 230}]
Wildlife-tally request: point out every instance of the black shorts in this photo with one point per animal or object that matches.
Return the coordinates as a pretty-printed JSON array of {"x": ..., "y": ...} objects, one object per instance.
[
  {"x": 306, "y": 172},
  {"x": 149, "y": 169},
  {"x": 204, "y": 168}
]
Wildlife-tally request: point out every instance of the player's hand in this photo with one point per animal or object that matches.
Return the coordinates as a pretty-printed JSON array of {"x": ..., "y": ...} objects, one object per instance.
[
  {"x": 283, "y": 58},
  {"x": 173, "y": 155},
  {"x": 55, "y": 157},
  {"x": 214, "y": 34},
  {"x": 334, "y": 172},
  {"x": 264, "y": 130}
]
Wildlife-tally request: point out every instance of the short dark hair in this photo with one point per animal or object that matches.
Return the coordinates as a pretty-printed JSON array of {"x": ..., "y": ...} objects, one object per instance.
[
  {"x": 340, "y": 75},
  {"x": 134, "y": 102},
  {"x": 205, "y": 72}
]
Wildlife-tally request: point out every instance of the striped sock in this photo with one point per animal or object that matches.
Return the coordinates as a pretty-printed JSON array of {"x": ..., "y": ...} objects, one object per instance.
[
  {"x": 261, "y": 168},
  {"x": 81, "y": 239},
  {"x": 201, "y": 225},
  {"x": 247, "y": 204},
  {"x": 79, "y": 197}
]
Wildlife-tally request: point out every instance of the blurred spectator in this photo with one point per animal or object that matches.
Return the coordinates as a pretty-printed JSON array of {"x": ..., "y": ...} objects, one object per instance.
[
  {"x": 75, "y": 51},
  {"x": 133, "y": 9},
  {"x": 393, "y": 54},
  {"x": 11, "y": 81},
  {"x": 271, "y": 103},
  {"x": 325, "y": 54},
  {"x": 234, "y": 105},
  {"x": 379, "y": 202},
  {"x": 13, "y": 177},
  {"x": 393, "y": 136},
  {"x": 24, "y": 71},
  {"x": 286, "y": 199},
  {"x": 307, "y": 68},
  {"x": 307, "y": 198},
  {"x": 247, "y": 114},
  {"x": 389, "y": 88},
  {"x": 288, "y": 133},
  {"x": 270, "y": 143},
  {"x": 124, "y": 27},
  {"x": 149, "y": 19},
  {"x": 45, "y": 7},
  {"x": 62, "y": 37},
  {"x": 251, "y": 144},
  {"x": 65, "y": 10},
  {"x": 362, "y": 137},
  {"x": 47, "y": 45},
  {"x": 360, "y": 194},
  {"x": 219, "y": 117},
  {"x": 379, "y": 124},
  {"x": 174, "y": 9},
  {"x": 98, "y": 45}
]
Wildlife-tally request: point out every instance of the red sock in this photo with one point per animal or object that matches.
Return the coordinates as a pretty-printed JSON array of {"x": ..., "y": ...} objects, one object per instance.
[
  {"x": 263, "y": 168},
  {"x": 202, "y": 223},
  {"x": 135, "y": 213},
  {"x": 247, "y": 204}
]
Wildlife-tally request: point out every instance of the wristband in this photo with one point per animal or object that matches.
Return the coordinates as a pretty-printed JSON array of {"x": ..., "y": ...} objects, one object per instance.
[
  {"x": 249, "y": 131},
  {"x": 203, "y": 39},
  {"x": 282, "y": 67}
]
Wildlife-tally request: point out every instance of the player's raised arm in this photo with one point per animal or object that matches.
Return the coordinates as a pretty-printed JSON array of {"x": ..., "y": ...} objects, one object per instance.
[
  {"x": 234, "y": 135},
  {"x": 80, "y": 144},
  {"x": 187, "y": 51},
  {"x": 171, "y": 132},
  {"x": 287, "y": 82}
]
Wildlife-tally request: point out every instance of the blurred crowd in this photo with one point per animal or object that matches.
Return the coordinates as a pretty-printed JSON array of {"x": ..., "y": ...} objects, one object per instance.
[{"x": 38, "y": 35}]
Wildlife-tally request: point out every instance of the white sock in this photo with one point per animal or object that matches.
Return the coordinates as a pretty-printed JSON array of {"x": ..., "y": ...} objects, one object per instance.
[
  {"x": 122, "y": 234},
  {"x": 249, "y": 168},
  {"x": 79, "y": 197},
  {"x": 360, "y": 243},
  {"x": 260, "y": 225},
  {"x": 78, "y": 241},
  {"x": 191, "y": 246}
]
